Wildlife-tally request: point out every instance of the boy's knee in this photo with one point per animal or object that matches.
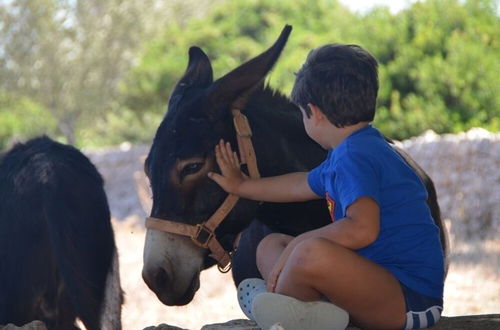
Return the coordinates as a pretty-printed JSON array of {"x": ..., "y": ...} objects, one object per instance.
[
  {"x": 308, "y": 255},
  {"x": 273, "y": 241},
  {"x": 314, "y": 245}
]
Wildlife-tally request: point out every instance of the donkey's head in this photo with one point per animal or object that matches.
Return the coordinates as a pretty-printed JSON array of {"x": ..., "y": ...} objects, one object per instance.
[{"x": 199, "y": 115}]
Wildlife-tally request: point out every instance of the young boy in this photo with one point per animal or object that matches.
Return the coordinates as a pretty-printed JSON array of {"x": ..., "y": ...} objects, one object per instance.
[{"x": 380, "y": 259}]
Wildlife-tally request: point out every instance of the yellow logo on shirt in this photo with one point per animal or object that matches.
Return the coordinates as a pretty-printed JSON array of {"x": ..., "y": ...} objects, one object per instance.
[{"x": 330, "y": 203}]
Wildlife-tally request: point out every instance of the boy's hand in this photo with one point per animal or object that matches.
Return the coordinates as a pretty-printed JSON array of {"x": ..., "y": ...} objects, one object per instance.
[
  {"x": 231, "y": 177},
  {"x": 272, "y": 279}
]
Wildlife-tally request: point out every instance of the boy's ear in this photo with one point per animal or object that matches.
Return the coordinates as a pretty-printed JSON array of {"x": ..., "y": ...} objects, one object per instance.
[{"x": 316, "y": 114}]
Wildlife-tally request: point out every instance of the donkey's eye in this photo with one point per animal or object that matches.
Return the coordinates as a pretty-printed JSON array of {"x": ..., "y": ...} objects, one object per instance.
[{"x": 191, "y": 168}]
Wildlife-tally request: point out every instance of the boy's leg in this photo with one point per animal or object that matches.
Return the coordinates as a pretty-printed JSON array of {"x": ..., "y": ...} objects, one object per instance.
[
  {"x": 248, "y": 288},
  {"x": 318, "y": 267},
  {"x": 269, "y": 251},
  {"x": 244, "y": 258}
]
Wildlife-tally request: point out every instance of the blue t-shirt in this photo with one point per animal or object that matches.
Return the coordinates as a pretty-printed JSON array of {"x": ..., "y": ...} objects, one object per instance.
[{"x": 408, "y": 245}]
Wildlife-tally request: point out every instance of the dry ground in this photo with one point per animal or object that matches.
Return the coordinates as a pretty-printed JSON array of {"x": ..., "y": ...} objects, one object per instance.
[{"x": 472, "y": 286}]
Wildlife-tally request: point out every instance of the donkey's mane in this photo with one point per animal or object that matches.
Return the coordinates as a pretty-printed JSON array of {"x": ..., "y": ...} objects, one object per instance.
[
  {"x": 279, "y": 135},
  {"x": 272, "y": 103}
]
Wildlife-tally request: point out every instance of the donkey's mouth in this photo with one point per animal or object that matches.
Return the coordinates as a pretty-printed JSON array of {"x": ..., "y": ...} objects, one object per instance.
[{"x": 170, "y": 297}]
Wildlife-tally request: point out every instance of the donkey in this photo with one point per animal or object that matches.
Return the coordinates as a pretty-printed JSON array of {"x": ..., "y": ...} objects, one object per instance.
[
  {"x": 181, "y": 155},
  {"x": 58, "y": 260}
]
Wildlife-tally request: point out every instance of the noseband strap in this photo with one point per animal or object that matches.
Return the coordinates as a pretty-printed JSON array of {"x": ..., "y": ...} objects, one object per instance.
[{"x": 203, "y": 234}]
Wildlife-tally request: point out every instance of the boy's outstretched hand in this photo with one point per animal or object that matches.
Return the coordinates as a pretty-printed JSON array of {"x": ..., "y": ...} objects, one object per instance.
[{"x": 231, "y": 177}]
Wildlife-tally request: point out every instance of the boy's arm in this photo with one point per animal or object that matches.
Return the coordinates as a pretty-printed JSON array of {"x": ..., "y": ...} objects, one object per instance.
[
  {"x": 359, "y": 228},
  {"x": 291, "y": 187}
]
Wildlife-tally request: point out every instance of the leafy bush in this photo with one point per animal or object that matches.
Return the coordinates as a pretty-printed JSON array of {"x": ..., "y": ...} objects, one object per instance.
[
  {"x": 121, "y": 125},
  {"x": 21, "y": 118},
  {"x": 438, "y": 60}
]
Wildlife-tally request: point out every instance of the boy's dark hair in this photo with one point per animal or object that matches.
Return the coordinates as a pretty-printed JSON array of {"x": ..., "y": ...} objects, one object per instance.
[{"x": 341, "y": 80}]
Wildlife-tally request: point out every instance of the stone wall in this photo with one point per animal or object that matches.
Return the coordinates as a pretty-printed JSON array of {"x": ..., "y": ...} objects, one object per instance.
[{"x": 465, "y": 168}]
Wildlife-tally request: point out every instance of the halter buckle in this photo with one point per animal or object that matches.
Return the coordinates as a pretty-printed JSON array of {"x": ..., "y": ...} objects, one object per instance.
[
  {"x": 226, "y": 268},
  {"x": 203, "y": 236}
]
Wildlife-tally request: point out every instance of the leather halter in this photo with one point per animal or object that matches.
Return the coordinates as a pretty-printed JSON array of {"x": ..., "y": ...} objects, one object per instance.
[{"x": 203, "y": 234}]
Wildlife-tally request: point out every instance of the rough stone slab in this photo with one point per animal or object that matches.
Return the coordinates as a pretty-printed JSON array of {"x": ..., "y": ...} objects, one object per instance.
[
  {"x": 240, "y": 324},
  {"x": 164, "y": 326},
  {"x": 35, "y": 325},
  {"x": 243, "y": 324},
  {"x": 469, "y": 322}
]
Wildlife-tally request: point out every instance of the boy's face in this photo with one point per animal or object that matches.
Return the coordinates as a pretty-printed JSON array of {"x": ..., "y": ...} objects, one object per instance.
[
  {"x": 315, "y": 127},
  {"x": 308, "y": 124}
]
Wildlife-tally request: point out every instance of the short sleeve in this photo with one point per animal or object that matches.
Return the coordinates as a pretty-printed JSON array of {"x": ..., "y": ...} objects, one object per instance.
[
  {"x": 356, "y": 176},
  {"x": 315, "y": 179}
]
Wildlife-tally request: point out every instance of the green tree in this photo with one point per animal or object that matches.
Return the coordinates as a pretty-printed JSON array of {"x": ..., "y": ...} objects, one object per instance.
[
  {"x": 230, "y": 34},
  {"x": 69, "y": 56},
  {"x": 442, "y": 74},
  {"x": 438, "y": 59},
  {"x": 21, "y": 118}
]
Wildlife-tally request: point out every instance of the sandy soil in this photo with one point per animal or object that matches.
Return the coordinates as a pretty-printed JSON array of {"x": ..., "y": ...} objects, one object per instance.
[{"x": 472, "y": 286}]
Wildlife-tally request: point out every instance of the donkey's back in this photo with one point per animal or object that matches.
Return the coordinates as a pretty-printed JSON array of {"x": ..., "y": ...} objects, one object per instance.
[{"x": 57, "y": 247}]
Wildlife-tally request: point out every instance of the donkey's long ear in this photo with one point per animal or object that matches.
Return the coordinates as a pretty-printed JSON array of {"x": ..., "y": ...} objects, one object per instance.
[
  {"x": 234, "y": 88},
  {"x": 199, "y": 70}
]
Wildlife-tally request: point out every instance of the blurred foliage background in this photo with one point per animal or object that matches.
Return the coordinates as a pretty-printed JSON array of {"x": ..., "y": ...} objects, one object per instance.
[{"x": 99, "y": 72}]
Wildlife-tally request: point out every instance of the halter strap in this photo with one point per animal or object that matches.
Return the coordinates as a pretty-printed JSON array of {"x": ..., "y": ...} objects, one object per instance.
[{"x": 203, "y": 234}]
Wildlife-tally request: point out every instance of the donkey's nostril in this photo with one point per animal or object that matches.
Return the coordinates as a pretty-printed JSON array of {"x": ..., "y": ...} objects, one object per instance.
[
  {"x": 161, "y": 278},
  {"x": 156, "y": 279}
]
